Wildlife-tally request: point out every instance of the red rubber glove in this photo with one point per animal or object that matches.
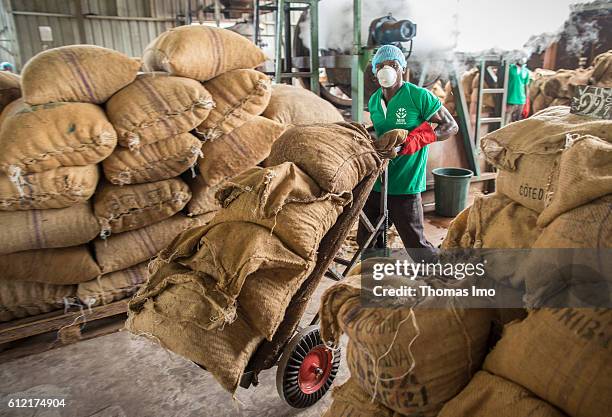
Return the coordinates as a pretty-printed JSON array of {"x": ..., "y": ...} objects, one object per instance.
[
  {"x": 418, "y": 138},
  {"x": 526, "y": 108}
]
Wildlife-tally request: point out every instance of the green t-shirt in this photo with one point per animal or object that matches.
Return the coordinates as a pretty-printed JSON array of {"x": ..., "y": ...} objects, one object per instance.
[
  {"x": 408, "y": 108},
  {"x": 517, "y": 80}
]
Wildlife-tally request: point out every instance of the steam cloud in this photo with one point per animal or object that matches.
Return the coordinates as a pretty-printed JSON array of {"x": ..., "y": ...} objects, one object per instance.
[{"x": 443, "y": 26}]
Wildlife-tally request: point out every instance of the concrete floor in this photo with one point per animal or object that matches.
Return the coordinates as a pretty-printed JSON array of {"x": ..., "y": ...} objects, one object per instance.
[{"x": 120, "y": 375}]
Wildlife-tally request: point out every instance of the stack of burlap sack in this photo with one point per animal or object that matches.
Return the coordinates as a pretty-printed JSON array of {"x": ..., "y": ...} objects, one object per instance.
[
  {"x": 101, "y": 154},
  {"x": 553, "y": 191},
  {"x": 219, "y": 290},
  {"x": 556, "y": 88},
  {"x": 470, "y": 81}
]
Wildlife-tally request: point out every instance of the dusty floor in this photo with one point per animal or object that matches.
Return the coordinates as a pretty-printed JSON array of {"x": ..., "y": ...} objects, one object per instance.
[{"x": 120, "y": 375}]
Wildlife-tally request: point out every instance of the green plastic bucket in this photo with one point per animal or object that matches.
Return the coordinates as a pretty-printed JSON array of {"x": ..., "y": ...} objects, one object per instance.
[{"x": 451, "y": 187}]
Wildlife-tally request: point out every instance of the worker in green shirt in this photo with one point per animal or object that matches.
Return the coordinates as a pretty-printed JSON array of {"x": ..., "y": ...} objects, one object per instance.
[
  {"x": 404, "y": 110},
  {"x": 518, "y": 82}
]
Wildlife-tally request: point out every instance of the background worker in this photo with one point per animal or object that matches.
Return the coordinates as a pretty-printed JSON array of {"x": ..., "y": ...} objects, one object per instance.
[
  {"x": 7, "y": 66},
  {"x": 402, "y": 110},
  {"x": 518, "y": 82}
]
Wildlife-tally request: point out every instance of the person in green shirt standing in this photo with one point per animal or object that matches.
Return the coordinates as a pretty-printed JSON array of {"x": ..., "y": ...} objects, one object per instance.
[
  {"x": 404, "y": 110},
  {"x": 518, "y": 82}
]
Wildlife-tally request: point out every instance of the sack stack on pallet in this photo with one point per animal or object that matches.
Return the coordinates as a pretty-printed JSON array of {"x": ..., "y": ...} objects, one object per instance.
[
  {"x": 97, "y": 169},
  {"x": 52, "y": 140},
  {"x": 220, "y": 290}
]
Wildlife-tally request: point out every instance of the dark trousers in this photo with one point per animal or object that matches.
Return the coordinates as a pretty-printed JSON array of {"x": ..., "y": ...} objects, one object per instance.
[{"x": 406, "y": 213}]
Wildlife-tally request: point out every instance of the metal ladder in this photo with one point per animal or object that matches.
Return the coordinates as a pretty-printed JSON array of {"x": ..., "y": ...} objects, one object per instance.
[
  {"x": 499, "y": 82},
  {"x": 283, "y": 65}
]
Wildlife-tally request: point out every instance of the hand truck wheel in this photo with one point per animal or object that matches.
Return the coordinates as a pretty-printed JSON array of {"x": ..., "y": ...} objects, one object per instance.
[{"x": 306, "y": 369}]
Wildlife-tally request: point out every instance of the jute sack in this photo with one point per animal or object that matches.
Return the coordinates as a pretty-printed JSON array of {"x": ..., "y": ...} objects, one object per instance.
[
  {"x": 540, "y": 102},
  {"x": 602, "y": 69},
  {"x": 10, "y": 88},
  {"x": 203, "y": 200},
  {"x": 120, "y": 251},
  {"x": 200, "y": 52},
  {"x": 351, "y": 401},
  {"x": 552, "y": 184},
  {"x": 129, "y": 207},
  {"x": 237, "y": 151},
  {"x": 24, "y": 299},
  {"x": 158, "y": 161},
  {"x": 39, "y": 138},
  {"x": 55, "y": 188},
  {"x": 291, "y": 105},
  {"x": 557, "y": 86},
  {"x": 493, "y": 221},
  {"x": 395, "y": 354},
  {"x": 337, "y": 156},
  {"x": 53, "y": 228},
  {"x": 239, "y": 95},
  {"x": 284, "y": 200},
  {"x": 216, "y": 263},
  {"x": 581, "y": 76},
  {"x": 225, "y": 352},
  {"x": 544, "y": 133},
  {"x": 560, "y": 101},
  {"x": 157, "y": 106},
  {"x": 82, "y": 73},
  {"x": 488, "y": 395},
  {"x": 546, "y": 272},
  {"x": 564, "y": 357},
  {"x": 52, "y": 266},
  {"x": 112, "y": 287}
]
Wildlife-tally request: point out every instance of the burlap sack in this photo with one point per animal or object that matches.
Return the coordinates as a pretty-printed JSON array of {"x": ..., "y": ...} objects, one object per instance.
[
  {"x": 112, "y": 287},
  {"x": 223, "y": 352},
  {"x": 602, "y": 70},
  {"x": 290, "y": 105},
  {"x": 488, "y": 395},
  {"x": 235, "y": 152},
  {"x": 239, "y": 95},
  {"x": 203, "y": 200},
  {"x": 52, "y": 266},
  {"x": 396, "y": 356},
  {"x": 123, "y": 250},
  {"x": 53, "y": 228},
  {"x": 200, "y": 52},
  {"x": 157, "y": 106},
  {"x": 547, "y": 273},
  {"x": 337, "y": 156},
  {"x": 82, "y": 73},
  {"x": 351, "y": 401},
  {"x": 560, "y": 101},
  {"x": 23, "y": 299},
  {"x": 557, "y": 86},
  {"x": 129, "y": 207},
  {"x": 493, "y": 221},
  {"x": 55, "y": 188},
  {"x": 286, "y": 201},
  {"x": 10, "y": 88},
  {"x": 544, "y": 133},
  {"x": 158, "y": 161},
  {"x": 581, "y": 76},
  {"x": 39, "y": 138},
  {"x": 540, "y": 102},
  {"x": 564, "y": 358}
]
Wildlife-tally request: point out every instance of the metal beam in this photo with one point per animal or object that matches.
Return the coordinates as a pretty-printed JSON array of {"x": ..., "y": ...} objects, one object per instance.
[
  {"x": 357, "y": 87},
  {"x": 465, "y": 126}
]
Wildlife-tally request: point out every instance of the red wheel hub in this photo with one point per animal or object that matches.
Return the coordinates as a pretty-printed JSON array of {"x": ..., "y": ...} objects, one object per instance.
[{"x": 315, "y": 369}]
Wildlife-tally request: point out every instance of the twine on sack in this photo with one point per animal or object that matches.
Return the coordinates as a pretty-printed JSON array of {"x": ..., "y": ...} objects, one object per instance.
[
  {"x": 14, "y": 175},
  {"x": 124, "y": 177},
  {"x": 105, "y": 228},
  {"x": 199, "y": 154},
  {"x": 133, "y": 141},
  {"x": 468, "y": 340},
  {"x": 417, "y": 329}
]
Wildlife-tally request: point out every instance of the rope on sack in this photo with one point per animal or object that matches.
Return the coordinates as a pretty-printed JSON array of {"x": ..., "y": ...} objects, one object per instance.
[
  {"x": 14, "y": 175},
  {"x": 199, "y": 154},
  {"x": 133, "y": 141}
]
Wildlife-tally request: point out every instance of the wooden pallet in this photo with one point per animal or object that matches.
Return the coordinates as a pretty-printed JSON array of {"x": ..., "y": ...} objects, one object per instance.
[{"x": 40, "y": 333}]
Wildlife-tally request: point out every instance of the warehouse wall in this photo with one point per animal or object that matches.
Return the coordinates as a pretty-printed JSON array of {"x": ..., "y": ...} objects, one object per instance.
[{"x": 125, "y": 25}]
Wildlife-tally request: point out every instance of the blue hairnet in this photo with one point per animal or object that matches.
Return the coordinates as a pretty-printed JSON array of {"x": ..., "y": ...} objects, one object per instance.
[
  {"x": 388, "y": 53},
  {"x": 7, "y": 66}
]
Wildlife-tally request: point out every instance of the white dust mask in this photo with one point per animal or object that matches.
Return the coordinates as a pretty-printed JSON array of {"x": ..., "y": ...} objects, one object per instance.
[{"x": 387, "y": 76}]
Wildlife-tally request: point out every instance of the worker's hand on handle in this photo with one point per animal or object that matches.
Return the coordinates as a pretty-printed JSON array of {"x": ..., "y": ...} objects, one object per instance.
[
  {"x": 388, "y": 143},
  {"x": 418, "y": 138}
]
